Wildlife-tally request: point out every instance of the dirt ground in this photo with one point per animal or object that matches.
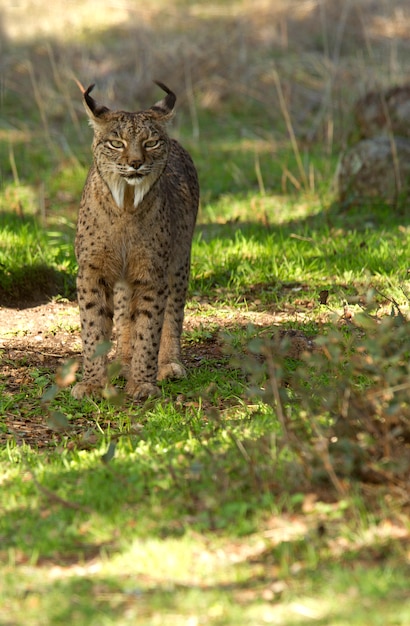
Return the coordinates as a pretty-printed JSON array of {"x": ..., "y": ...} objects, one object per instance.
[
  {"x": 40, "y": 338},
  {"x": 30, "y": 338}
]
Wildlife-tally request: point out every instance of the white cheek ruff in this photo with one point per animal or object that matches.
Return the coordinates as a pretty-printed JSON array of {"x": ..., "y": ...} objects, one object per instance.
[
  {"x": 117, "y": 186},
  {"x": 141, "y": 188}
]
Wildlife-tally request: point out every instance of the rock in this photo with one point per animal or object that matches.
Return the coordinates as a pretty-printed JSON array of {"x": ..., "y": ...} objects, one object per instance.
[
  {"x": 375, "y": 168},
  {"x": 384, "y": 112}
]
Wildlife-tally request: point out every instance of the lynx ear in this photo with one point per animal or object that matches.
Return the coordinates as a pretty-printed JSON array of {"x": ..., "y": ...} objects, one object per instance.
[
  {"x": 93, "y": 109},
  {"x": 164, "y": 109}
]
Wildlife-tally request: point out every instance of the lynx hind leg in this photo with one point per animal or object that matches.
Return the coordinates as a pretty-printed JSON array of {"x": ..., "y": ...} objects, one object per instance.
[{"x": 169, "y": 358}]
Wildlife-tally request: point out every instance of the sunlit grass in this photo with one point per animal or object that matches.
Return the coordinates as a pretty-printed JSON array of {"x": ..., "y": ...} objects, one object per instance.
[
  {"x": 310, "y": 247},
  {"x": 194, "y": 509}
]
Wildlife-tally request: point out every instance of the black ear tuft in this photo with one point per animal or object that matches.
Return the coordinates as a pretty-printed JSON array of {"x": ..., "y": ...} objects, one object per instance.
[
  {"x": 96, "y": 109},
  {"x": 167, "y": 104}
]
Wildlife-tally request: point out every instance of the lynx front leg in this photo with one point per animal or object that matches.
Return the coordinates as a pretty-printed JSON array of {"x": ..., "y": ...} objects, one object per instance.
[
  {"x": 96, "y": 313},
  {"x": 122, "y": 323},
  {"x": 146, "y": 316},
  {"x": 169, "y": 360}
]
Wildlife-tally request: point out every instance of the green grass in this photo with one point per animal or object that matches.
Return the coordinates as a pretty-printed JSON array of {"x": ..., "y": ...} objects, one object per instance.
[
  {"x": 183, "y": 519},
  {"x": 152, "y": 536},
  {"x": 36, "y": 262},
  {"x": 264, "y": 487},
  {"x": 321, "y": 249}
]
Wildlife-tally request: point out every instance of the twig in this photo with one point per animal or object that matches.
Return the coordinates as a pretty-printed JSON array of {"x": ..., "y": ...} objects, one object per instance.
[
  {"x": 322, "y": 448},
  {"x": 291, "y": 132},
  {"x": 191, "y": 98},
  {"x": 259, "y": 176},
  {"x": 39, "y": 100},
  {"x": 62, "y": 87},
  {"x": 273, "y": 380},
  {"x": 395, "y": 157},
  {"x": 242, "y": 450},
  {"x": 51, "y": 495},
  {"x": 233, "y": 437},
  {"x": 13, "y": 165},
  {"x": 392, "y": 300}
]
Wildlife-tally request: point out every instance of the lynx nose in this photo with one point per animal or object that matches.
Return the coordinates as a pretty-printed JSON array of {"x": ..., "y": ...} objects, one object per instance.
[{"x": 136, "y": 163}]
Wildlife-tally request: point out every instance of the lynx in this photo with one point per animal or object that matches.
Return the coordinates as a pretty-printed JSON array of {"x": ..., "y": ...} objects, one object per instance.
[{"x": 133, "y": 246}]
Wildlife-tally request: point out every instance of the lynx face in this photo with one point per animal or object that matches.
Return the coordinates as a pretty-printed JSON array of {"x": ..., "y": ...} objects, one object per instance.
[
  {"x": 130, "y": 150},
  {"x": 133, "y": 245}
]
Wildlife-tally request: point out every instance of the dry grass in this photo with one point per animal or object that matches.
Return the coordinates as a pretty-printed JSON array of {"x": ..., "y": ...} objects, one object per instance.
[{"x": 325, "y": 52}]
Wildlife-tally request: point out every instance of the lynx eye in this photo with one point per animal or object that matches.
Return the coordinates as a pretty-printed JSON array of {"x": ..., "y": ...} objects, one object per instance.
[
  {"x": 151, "y": 143},
  {"x": 117, "y": 144}
]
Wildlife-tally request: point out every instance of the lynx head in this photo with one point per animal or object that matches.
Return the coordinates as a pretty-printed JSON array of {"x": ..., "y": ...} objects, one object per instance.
[{"x": 130, "y": 148}]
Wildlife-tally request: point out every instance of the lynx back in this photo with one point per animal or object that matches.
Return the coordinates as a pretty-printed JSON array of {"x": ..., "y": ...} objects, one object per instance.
[{"x": 133, "y": 246}]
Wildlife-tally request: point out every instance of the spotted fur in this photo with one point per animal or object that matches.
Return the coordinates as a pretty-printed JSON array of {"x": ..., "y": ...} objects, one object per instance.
[{"x": 133, "y": 245}]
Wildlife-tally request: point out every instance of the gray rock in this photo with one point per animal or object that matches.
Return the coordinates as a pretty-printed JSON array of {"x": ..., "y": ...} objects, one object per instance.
[
  {"x": 384, "y": 112},
  {"x": 375, "y": 168}
]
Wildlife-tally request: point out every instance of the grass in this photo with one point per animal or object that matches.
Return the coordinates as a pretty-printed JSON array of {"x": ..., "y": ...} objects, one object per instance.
[
  {"x": 269, "y": 486},
  {"x": 322, "y": 249},
  {"x": 36, "y": 262},
  {"x": 150, "y": 537}
]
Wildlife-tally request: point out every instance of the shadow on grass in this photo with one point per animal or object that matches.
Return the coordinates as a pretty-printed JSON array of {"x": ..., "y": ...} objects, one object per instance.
[
  {"x": 53, "y": 131},
  {"x": 32, "y": 262},
  {"x": 26, "y": 281},
  {"x": 30, "y": 286},
  {"x": 91, "y": 598},
  {"x": 377, "y": 592},
  {"x": 72, "y": 515},
  {"x": 201, "y": 474},
  {"x": 339, "y": 249}
]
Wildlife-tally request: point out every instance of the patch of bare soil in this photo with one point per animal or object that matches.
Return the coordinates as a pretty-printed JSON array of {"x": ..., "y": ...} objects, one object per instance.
[
  {"x": 47, "y": 331},
  {"x": 40, "y": 337},
  {"x": 44, "y": 337}
]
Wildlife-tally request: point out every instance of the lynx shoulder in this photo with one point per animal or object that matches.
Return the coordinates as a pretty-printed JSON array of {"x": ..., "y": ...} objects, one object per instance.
[{"x": 133, "y": 245}]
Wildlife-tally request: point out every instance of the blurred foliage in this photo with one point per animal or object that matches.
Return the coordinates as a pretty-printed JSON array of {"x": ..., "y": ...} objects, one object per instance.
[{"x": 343, "y": 400}]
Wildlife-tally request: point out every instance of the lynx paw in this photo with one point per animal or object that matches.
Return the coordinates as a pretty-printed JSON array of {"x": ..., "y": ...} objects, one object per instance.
[
  {"x": 141, "y": 391},
  {"x": 80, "y": 390},
  {"x": 171, "y": 370}
]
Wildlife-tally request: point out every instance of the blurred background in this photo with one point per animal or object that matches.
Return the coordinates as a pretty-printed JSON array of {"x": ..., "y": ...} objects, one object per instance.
[{"x": 251, "y": 76}]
